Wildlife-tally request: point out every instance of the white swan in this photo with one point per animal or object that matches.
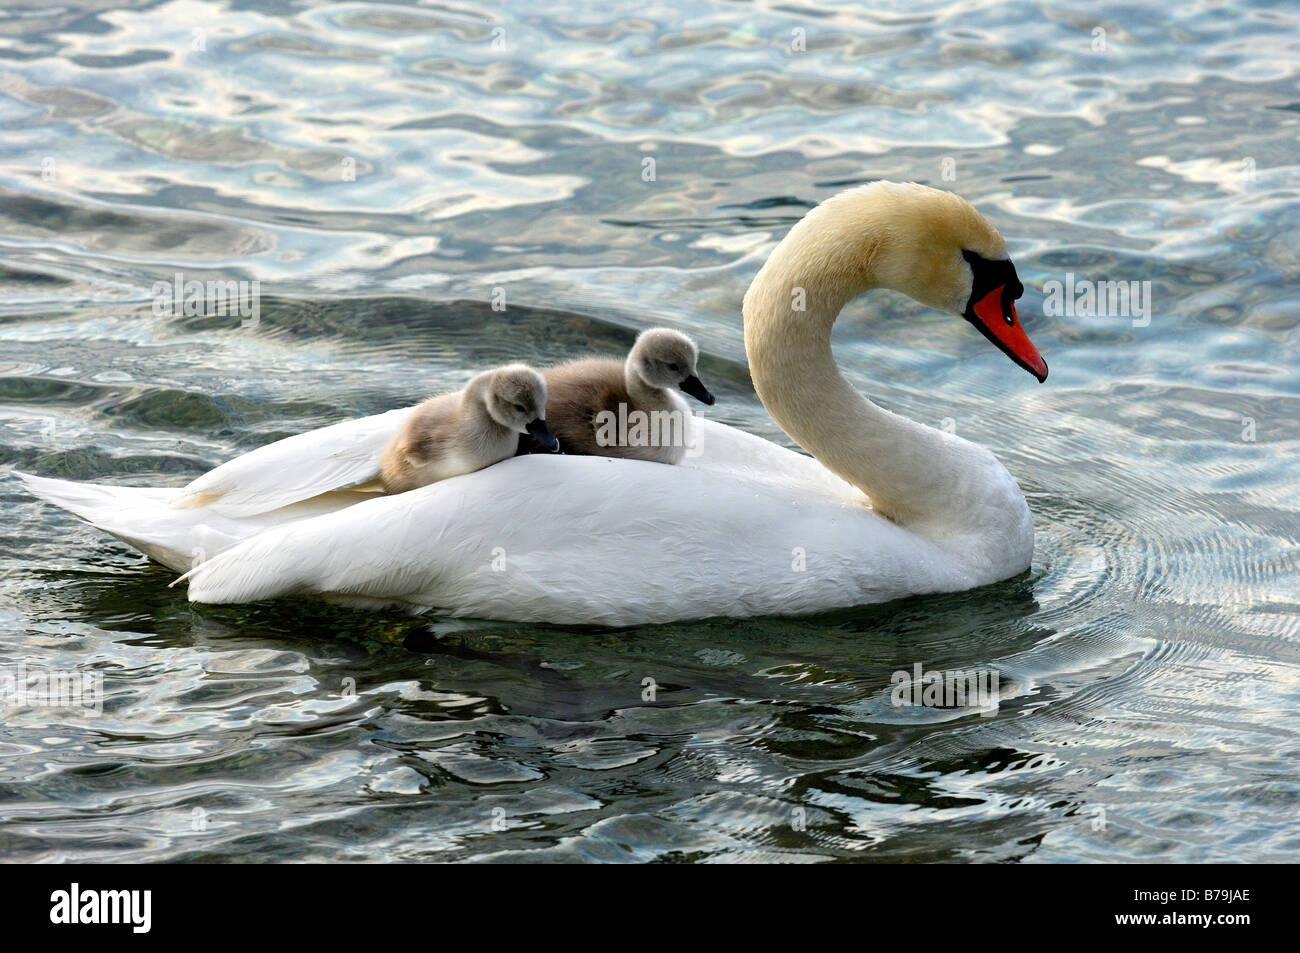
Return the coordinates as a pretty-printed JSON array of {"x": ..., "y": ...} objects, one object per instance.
[{"x": 888, "y": 508}]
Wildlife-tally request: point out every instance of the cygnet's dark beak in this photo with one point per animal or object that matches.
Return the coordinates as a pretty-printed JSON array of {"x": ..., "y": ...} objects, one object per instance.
[
  {"x": 695, "y": 387},
  {"x": 542, "y": 434}
]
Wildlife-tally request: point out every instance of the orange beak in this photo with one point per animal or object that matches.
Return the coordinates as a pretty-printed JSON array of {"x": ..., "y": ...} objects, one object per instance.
[{"x": 1001, "y": 326}]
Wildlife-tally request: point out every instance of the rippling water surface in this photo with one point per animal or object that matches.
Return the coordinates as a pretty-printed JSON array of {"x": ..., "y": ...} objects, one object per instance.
[{"x": 380, "y": 168}]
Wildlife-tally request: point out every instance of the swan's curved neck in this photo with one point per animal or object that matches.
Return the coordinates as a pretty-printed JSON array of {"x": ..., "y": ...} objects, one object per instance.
[{"x": 912, "y": 473}]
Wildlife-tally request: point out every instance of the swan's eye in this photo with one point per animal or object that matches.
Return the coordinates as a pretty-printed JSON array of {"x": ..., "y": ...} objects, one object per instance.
[
  {"x": 674, "y": 368},
  {"x": 521, "y": 408}
]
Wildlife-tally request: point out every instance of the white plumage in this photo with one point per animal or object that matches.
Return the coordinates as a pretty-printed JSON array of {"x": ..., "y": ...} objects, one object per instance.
[{"x": 744, "y": 527}]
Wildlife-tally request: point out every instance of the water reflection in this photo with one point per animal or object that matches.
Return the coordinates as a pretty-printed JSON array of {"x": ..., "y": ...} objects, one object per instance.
[{"x": 382, "y": 169}]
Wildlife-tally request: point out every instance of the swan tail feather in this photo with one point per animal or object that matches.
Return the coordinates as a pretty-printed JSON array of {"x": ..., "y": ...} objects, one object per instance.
[{"x": 135, "y": 515}]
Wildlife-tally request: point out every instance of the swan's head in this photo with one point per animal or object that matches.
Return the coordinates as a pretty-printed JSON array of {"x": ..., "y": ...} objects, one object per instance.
[
  {"x": 665, "y": 358},
  {"x": 515, "y": 398},
  {"x": 935, "y": 247}
]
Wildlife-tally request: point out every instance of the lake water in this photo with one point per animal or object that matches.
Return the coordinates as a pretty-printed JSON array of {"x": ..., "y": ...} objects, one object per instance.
[{"x": 380, "y": 169}]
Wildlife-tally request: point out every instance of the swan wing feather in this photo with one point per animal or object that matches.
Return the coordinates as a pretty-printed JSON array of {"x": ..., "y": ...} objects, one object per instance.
[{"x": 337, "y": 457}]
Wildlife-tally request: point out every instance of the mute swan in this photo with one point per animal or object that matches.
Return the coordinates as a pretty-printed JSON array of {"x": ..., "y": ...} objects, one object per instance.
[
  {"x": 888, "y": 508},
  {"x": 466, "y": 431},
  {"x": 604, "y": 408}
]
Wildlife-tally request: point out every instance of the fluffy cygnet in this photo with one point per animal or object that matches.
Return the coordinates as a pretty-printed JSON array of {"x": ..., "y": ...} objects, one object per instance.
[
  {"x": 630, "y": 409},
  {"x": 466, "y": 431}
]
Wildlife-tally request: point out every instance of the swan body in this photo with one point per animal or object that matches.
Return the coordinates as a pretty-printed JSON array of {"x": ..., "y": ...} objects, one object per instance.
[
  {"x": 590, "y": 402},
  {"x": 466, "y": 431},
  {"x": 743, "y": 527}
]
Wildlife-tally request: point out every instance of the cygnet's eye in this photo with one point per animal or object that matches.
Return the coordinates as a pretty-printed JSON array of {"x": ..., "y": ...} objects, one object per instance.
[
  {"x": 674, "y": 368},
  {"x": 521, "y": 408}
]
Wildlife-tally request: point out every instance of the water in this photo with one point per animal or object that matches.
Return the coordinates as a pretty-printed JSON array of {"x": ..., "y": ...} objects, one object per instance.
[{"x": 381, "y": 168}]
